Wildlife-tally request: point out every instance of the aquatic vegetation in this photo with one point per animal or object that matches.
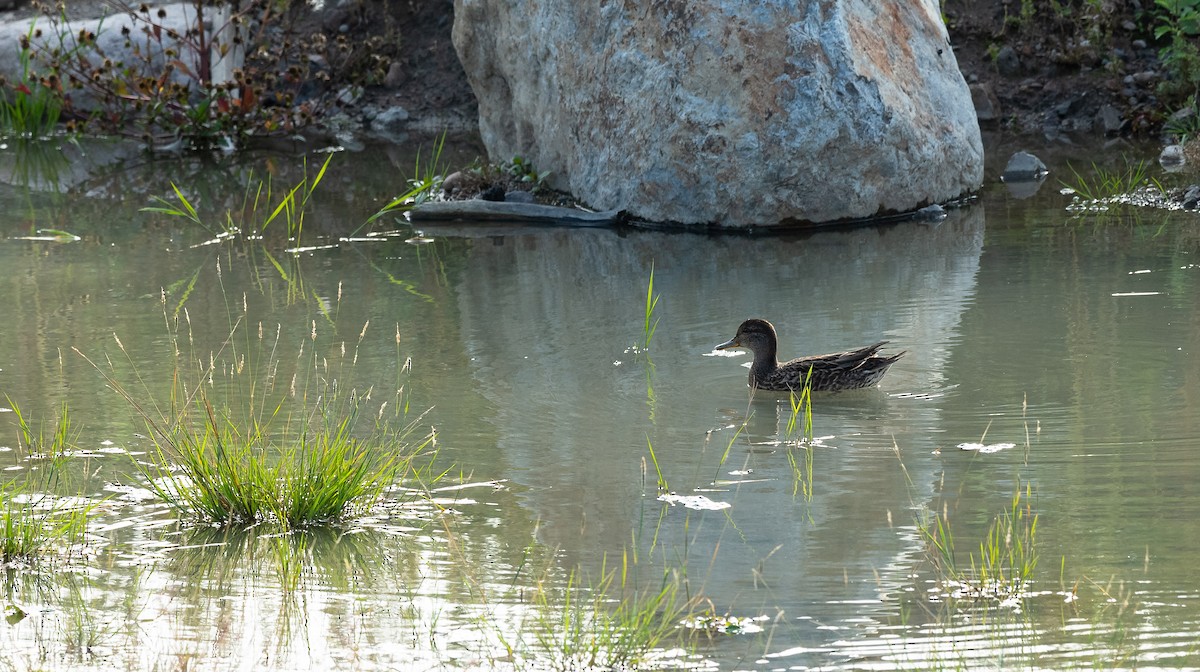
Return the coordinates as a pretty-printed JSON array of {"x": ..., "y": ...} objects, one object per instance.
[
  {"x": 662, "y": 481},
  {"x": 32, "y": 518},
  {"x": 315, "y": 474},
  {"x": 1106, "y": 187},
  {"x": 259, "y": 195},
  {"x": 799, "y": 434},
  {"x": 425, "y": 184},
  {"x": 650, "y": 320},
  {"x": 1007, "y": 555},
  {"x": 294, "y": 453},
  {"x": 610, "y": 623}
]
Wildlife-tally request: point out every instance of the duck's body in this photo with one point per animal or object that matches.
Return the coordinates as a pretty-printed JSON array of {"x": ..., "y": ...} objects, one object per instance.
[{"x": 848, "y": 370}]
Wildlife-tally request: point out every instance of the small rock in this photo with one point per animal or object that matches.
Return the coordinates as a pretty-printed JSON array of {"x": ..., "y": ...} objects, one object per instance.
[
  {"x": 1008, "y": 63},
  {"x": 1191, "y": 197},
  {"x": 1069, "y": 107},
  {"x": 930, "y": 213},
  {"x": 1145, "y": 77},
  {"x": 1129, "y": 26},
  {"x": 1110, "y": 120},
  {"x": 1024, "y": 167},
  {"x": 453, "y": 182},
  {"x": 396, "y": 76},
  {"x": 987, "y": 105},
  {"x": 1138, "y": 44},
  {"x": 1171, "y": 156},
  {"x": 390, "y": 120}
]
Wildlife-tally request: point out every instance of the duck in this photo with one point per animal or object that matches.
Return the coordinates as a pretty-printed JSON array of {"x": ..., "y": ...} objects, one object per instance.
[{"x": 849, "y": 370}]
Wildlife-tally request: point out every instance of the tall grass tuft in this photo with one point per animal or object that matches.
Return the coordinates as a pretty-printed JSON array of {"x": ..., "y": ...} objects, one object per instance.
[
  {"x": 650, "y": 321},
  {"x": 1007, "y": 555},
  {"x": 1104, "y": 185},
  {"x": 259, "y": 195},
  {"x": 242, "y": 443},
  {"x": 33, "y": 519},
  {"x": 608, "y": 624},
  {"x": 799, "y": 433},
  {"x": 422, "y": 186}
]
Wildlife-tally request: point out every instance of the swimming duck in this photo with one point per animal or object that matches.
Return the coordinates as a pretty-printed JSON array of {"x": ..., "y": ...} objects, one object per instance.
[{"x": 837, "y": 371}]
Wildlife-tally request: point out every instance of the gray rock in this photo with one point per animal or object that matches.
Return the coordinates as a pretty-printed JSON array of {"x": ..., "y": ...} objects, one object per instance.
[
  {"x": 1109, "y": 120},
  {"x": 390, "y": 120},
  {"x": 987, "y": 105},
  {"x": 1191, "y": 197},
  {"x": 1008, "y": 63},
  {"x": 1024, "y": 167},
  {"x": 726, "y": 112},
  {"x": 930, "y": 214},
  {"x": 1171, "y": 157}
]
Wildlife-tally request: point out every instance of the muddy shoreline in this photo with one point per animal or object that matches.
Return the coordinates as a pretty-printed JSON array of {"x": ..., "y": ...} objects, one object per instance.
[{"x": 1053, "y": 74}]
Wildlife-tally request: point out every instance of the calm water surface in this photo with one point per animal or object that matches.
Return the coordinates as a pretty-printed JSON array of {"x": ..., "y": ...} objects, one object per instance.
[{"x": 1065, "y": 345}]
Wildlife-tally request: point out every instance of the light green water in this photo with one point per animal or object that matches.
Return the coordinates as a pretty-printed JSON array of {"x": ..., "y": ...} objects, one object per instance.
[{"x": 1072, "y": 338}]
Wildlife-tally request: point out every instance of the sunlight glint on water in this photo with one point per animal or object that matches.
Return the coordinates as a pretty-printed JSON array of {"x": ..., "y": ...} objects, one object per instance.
[{"x": 1069, "y": 340}]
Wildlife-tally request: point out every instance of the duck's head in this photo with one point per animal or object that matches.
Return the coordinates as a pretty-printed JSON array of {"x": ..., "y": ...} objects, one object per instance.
[{"x": 756, "y": 335}]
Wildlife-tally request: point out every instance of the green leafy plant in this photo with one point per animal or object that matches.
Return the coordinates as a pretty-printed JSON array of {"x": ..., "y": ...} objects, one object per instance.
[
  {"x": 293, "y": 455},
  {"x": 1179, "y": 25},
  {"x": 259, "y": 194},
  {"x": 210, "y": 76},
  {"x": 524, "y": 171},
  {"x": 649, "y": 319},
  {"x": 799, "y": 433}
]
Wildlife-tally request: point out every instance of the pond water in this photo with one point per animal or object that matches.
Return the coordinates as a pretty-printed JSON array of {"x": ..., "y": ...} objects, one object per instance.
[{"x": 1050, "y": 358}]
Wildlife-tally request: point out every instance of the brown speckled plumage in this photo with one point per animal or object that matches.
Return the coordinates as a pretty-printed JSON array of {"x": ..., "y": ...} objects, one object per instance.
[{"x": 848, "y": 370}]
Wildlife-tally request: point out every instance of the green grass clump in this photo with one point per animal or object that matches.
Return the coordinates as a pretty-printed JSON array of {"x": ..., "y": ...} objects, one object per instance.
[
  {"x": 224, "y": 472},
  {"x": 1007, "y": 554},
  {"x": 423, "y": 186},
  {"x": 241, "y": 442},
  {"x": 32, "y": 519},
  {"x": 1105, "y": 184},
  {"x": 608, "y": 624}
]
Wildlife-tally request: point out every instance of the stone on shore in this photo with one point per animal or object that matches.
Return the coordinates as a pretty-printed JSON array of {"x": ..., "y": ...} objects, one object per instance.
[{"x": 734, "y": 113}]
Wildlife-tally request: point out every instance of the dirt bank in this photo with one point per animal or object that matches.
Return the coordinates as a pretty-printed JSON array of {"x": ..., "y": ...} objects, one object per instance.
[{"x": 1046, "y": 68}]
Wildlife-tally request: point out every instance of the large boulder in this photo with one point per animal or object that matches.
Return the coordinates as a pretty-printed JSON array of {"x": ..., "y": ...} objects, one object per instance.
[{"x": 734, "y": 113}]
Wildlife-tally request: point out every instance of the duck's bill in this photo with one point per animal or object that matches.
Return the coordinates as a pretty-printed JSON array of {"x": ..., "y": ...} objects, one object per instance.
[{"x": 731, "y": 343}]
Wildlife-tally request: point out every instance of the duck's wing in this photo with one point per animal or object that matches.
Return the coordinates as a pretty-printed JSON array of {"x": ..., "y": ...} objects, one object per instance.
[
  {"x": 840, "y": 370},
  {"x": 846, "y": 361}
]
